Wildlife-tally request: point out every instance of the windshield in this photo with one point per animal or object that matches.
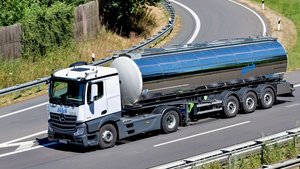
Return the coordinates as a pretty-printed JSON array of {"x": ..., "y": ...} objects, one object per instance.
[{"x": 67, "y": 92}]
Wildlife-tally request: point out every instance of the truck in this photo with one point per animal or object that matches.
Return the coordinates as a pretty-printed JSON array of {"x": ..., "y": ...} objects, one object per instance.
[{"x": 164, "y": 88}]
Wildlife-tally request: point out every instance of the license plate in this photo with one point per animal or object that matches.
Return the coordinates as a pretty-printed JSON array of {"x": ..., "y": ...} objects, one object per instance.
[{"x": 63, "y": 141}]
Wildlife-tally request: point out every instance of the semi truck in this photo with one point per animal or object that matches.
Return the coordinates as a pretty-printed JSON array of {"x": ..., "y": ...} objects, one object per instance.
[{"x": 162, "y": 89}]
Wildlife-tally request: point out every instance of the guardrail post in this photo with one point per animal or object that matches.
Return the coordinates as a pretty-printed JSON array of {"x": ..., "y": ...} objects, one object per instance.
[{"x": 18, "y": 94}]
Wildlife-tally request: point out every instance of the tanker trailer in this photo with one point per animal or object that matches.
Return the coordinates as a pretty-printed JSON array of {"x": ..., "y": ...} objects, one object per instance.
[
  {"x": 162, "y": 89},
  {"x": 176, "y": 70}
]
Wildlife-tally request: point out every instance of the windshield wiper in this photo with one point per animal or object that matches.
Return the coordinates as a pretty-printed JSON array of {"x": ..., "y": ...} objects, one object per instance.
[{"x": 67, "y": 101}]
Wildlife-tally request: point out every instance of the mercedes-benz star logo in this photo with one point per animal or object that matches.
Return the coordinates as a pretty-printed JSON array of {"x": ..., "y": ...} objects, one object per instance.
[{"x": 62, "y": 118}]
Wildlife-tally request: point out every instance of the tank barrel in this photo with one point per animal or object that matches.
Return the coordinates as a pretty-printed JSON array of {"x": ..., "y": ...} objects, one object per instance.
[{"x": 202, "y": 64}]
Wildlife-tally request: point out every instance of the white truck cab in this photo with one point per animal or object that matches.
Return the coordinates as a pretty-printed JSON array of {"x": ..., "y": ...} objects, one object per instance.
[{"x": 79, "y": 95}]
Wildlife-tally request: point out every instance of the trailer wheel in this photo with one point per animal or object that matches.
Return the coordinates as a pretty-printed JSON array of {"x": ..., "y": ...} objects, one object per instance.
[
  {"x": 249, "y": 102},
  {"x": 267, "y": 98},
  {"x": 170, "y": 122},
  {"x": 108, "y": 136},
  {"x": 231, "y": 106}
]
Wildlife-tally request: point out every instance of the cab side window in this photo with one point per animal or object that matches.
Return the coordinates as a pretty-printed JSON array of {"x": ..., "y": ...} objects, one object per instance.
[{"x": 100, "y": 91}]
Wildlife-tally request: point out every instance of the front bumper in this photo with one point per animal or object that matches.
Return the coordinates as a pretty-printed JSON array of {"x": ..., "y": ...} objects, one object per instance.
[{"x": 67, "y": 136}]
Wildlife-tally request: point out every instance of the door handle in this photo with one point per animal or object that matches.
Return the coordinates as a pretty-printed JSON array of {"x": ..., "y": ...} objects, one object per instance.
[{"x": 103, "y": 112}]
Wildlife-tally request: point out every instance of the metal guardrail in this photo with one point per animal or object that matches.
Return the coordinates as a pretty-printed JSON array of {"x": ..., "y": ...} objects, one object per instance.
[
  {"x": 247, "y": 148},
  {"x": 164, "y": 32}
]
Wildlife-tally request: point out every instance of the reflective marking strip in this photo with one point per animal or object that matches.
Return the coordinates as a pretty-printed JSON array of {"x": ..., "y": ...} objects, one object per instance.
[
  {"x": 196, "y": 18},
  {"x": 200, "y": 134},
  {"x": 20, "y": 111},
  {"x": 259, "y": 17}
]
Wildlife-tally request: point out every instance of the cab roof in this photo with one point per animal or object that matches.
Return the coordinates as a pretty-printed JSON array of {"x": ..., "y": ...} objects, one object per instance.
[{"x": 85, "y": 72}]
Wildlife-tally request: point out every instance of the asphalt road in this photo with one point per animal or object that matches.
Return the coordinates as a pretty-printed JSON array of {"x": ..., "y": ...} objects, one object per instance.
[
  {"x": 208, "y": 134},
  {"x": 219, "y": 19}
]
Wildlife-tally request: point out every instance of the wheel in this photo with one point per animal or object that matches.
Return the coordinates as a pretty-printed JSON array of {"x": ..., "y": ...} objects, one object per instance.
[
  {"x": 267, "y": 98},
  {"x": 231, "y": 106},
  {"x": 249, "y": 102},
  {"x": 108, "y": 136},
  {"x": 170, "y": 122}
]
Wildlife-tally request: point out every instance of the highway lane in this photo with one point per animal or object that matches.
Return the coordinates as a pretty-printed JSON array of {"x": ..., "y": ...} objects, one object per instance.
[
  {"x": 140, "y": 153},
  {"x": 220, "y": 19}
]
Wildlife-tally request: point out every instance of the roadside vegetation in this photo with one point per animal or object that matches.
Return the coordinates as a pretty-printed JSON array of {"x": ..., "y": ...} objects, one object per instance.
[
  {"x": 43, "y": 56},
  {"x": 270, "y": 154},
  {"x": 289, "y": 9}
]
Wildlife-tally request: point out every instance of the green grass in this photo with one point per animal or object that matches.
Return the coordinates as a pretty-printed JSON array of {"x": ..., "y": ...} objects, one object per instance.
[
  {"x": 290, "y": 9},
  {"x": 270, "y": 154}
]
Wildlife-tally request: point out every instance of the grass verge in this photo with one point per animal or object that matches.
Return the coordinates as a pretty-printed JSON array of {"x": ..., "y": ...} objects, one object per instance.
[
  {"x": 289, "y": 9},
  {"x": 271, "y": 153}
]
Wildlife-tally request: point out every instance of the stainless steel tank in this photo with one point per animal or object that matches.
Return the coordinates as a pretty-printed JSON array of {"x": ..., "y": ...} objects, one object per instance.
[{"x": 189, "y": 67}]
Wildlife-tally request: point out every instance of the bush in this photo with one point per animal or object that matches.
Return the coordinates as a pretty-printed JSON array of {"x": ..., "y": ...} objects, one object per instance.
[
  {"x": 45, "y": 27},
  {"x": 12, "y": 11},
  {"x": 45, "y": 23},
  {"x": 124, "y": 16}
]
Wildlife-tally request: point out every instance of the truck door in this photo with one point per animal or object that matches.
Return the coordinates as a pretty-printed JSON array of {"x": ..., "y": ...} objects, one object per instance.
[{"x": 98, "y": 105}]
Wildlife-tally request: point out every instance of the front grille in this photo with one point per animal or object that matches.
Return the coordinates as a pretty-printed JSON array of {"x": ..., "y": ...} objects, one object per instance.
[{"x": 68, "y": 123}]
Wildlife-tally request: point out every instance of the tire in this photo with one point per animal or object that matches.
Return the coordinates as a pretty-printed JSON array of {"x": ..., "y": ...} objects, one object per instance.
[
  {"x": 170, "y": 122},
  {"x": 231, "y": 106},
  {"x": 267, "y": 98},
  {"x": 249, "y": 102},
  {"x": 107, "y": 136}
]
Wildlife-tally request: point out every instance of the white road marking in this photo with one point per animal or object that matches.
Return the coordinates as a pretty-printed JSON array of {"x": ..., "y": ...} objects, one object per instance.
[
  {"x": 29, "y": 149},
  {"x": 196, "y": 18},
  {"x": 255, "y": 13},
  {"x": 292, "y": 105},
  {"x": 297, "y": 85},
  {"x": 20, "y": 111},
  {"x": 17, "y": 144},
  {"x": 25, "y": 137},
  {"x": 171, "y": 87},
  {"x": 200, "y": 134},
  {"x": 24, "y": 146}
]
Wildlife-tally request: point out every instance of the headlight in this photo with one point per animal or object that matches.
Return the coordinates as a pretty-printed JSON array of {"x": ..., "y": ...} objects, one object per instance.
[{"x": 79, "y": 131}]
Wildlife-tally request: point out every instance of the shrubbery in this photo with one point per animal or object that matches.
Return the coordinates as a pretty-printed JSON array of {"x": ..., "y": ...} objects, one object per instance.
[
  {"x": 124, "y": 16},
  {"x": 45, "y": 27},
  {"x": 47, "y": 24}
]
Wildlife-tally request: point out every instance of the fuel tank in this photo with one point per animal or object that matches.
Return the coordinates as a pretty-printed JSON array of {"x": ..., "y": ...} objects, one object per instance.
[{"x": 188, "y": 67}]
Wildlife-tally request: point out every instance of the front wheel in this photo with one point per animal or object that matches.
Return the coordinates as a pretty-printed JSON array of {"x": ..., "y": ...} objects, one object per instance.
[
  {"x": 231, "y": 106},
  {"x": 108, "y": 136},
  {"x": 170, "y": 121}
]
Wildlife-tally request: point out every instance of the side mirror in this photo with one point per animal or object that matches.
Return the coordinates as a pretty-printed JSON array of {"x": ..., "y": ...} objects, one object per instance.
[{"x": 94, "y": 92}]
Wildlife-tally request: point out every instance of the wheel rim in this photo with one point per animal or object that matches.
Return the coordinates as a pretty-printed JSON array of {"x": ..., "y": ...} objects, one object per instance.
[
  {"x": 268, "y": 98},
  {"x": 231, "y": 107},
  {"x": 250, "y": 103},
  {"x": 107, "y": 136},
  {"x": 171, "y": 121}
]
